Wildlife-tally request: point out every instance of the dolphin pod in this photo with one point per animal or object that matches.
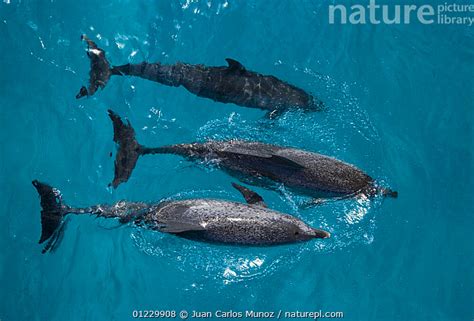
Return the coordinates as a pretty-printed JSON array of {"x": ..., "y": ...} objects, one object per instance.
[
  {"x": 226, "y": 84},
  {"x": 208, "y": 220},
  {"x": 255, "y": 163}
]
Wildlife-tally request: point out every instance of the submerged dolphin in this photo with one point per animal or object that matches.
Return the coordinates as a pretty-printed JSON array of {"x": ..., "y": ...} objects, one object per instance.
[
  {"x": 208, "y": 220},
  {"x": 227, "y": 84},
  {"x": 255, "y": 163}
]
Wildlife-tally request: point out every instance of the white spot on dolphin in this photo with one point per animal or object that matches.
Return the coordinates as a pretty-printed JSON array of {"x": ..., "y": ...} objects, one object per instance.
[
  {"x": 235, "y": 219},
  {"x": 95, "y": 51}
]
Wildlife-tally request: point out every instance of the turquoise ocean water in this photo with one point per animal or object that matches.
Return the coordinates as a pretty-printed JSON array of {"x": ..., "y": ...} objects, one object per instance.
[{"x": 400, "y": 101}]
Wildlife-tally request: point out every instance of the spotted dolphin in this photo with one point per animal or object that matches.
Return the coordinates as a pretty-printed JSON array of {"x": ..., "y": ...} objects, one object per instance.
[
  {"x": 254, "y": 163},
  {"x": 208, "y": 220},
  {"x": 226, "y": 84}
]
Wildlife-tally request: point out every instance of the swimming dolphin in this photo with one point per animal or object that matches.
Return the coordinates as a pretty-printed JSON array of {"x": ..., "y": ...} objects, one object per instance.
[
  {"x": 209, "y": 220},
  {"x": 254, "y": 163},
  {"x": 226, "y": 84}
]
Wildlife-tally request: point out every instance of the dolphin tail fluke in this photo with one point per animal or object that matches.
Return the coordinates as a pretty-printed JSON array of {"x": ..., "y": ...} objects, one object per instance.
[
  {"x": 129, "y": 150},
  {"x": 100, "y": 70},
  {"x": 53, "y": 211}
]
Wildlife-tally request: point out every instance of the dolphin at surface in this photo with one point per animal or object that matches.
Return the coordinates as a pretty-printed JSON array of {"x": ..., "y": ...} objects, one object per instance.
[
  {"x": 254, "y": 163},
  {"x": 209, "y": 220},
  {"x": 226, "y": 84}
]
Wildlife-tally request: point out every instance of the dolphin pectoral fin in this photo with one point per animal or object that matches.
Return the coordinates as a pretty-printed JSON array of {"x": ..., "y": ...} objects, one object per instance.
[
  {"x": 235, "y": 150},
  {"x": 175, "y": 227},
  {"x": 250, "y": 196},
  {"x": 283, "y": 161},
  {"x": 234, "y": 65},
  {"x": 320, "y": 201},
  {"x": 314, "y": 202},
  {"x": 266, "y": 156}
]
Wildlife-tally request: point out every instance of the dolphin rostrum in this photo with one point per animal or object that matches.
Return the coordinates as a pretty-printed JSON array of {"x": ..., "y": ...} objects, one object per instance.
[
  {"x": 209, "y": 220},
  {"x": 226, "y": 84},
  {"x": 254, "y": 163}
]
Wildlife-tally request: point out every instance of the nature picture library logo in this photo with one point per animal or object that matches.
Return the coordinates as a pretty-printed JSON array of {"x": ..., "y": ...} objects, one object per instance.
[{"x": 373, "y": 13}]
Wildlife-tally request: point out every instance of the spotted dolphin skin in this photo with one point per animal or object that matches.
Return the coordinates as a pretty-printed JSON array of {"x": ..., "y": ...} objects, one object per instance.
[
  {"x": 226, "y": 84},
  {"x": 254, "y": 163},
  {"x": 209, "y": 220}
]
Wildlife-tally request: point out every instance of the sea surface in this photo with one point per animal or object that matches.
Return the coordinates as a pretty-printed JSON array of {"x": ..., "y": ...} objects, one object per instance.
[{"x": 399, "y": 105}]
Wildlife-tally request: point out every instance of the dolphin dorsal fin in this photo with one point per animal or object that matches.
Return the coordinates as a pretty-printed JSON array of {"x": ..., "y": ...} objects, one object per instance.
[
  {"x": 250, "y": 196},
  {"x": 234, "y": 65}
]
